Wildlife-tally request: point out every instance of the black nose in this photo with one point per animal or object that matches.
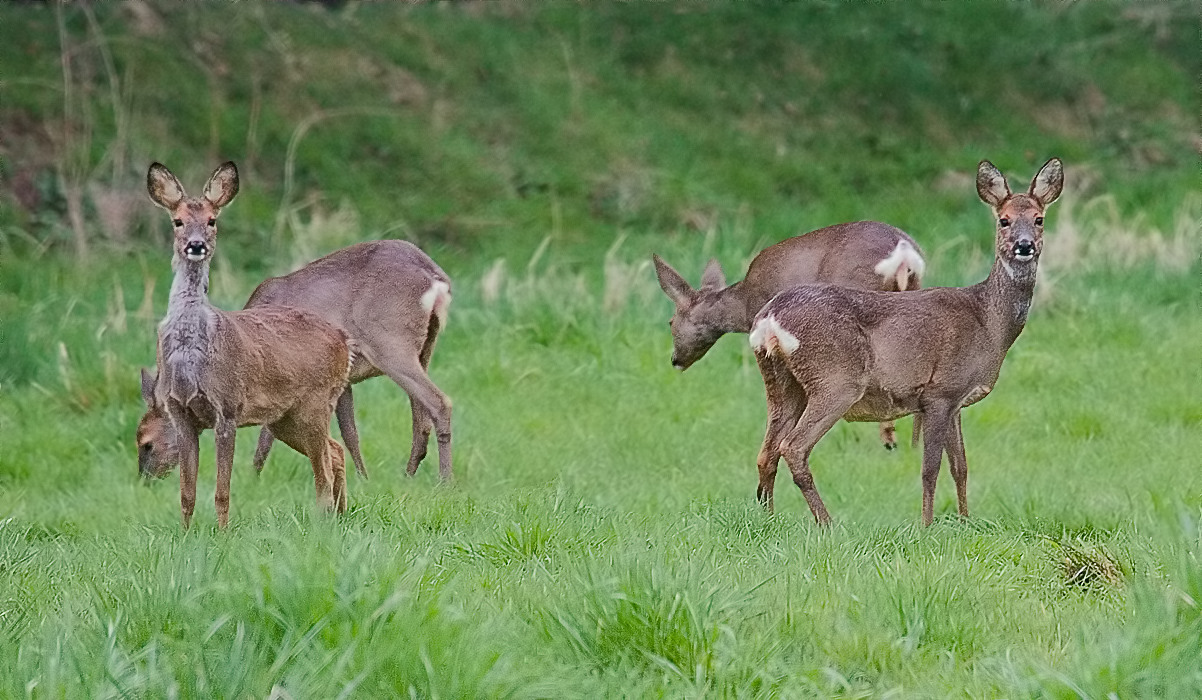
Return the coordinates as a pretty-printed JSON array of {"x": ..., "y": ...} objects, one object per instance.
[
  {"x": 1024, "y": 249},
  {"x": 196, "y": 248}
]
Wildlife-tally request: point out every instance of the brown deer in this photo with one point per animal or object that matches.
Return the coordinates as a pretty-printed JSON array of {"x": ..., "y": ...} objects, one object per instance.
[
  {"x": 828, "y": 352},
  {"x": 392, "y": 300},
  {"x": 863, "y": 255},
  {"x": 276, "y": 366}
]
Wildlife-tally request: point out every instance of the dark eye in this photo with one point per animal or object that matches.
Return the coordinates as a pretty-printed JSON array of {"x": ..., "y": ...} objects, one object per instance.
[
  {"x": 1039, "y": 221},
  {"x": 1003, "y": 222},
  {"x": 178, "y": 222},
  {"x": 212, "y": 222}
]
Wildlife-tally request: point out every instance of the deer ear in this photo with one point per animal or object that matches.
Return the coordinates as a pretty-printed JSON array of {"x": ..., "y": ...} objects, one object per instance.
[
  {"x": 991, "y": 185},
  {"x": 675, "y": 286},
  {"x": 163, "y": 187},
  {"x": 223, "y": 184},
  {"x": 712, "y": 278},
  {"x": 148, "y": 382},
  {"x": 1048, "y": 182}
]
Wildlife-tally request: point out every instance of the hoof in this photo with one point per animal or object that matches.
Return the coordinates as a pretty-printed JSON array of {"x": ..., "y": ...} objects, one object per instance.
[{"x": 890, "y": 446}]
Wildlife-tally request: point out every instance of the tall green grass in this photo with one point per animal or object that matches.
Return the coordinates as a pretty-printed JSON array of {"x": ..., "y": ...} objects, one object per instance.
[{"x": 602, "y": 538}]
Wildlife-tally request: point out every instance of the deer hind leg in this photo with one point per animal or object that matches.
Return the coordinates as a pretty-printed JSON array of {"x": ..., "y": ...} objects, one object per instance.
[
  {"x": 263, "y": 448},
  {"x": 224, "y": 431},
  {"x": 958, "y": 464},
  {"x": 344, "y": 410},
  {"x": 888, "y": 435},
  {"x": 423, "y": 393},
  {"x": 338, "y": 470},
  {"x": 820, "y": 415},
  {"x": 310, "y": 438},
  {"x": 937, "y": 424},
  {"x": 786, "y": 401},
  {"x": 422, "y": 422}
]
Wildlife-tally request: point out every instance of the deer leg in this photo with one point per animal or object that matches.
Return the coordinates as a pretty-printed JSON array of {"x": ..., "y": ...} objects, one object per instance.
[
  {"x": 189, "y": 462},
  {"x": 785, "y": 404},
  {"x": 819, "y": 416},
  {"x": 422, "y": 392},
  {"x": 888, "y": 435},
  {"x": 264, "y": 447},
  {"x": 958, "y": 464},
  {"x": 936, "y": 423},
  {"x": 310, "y": 438},
  {"x": 338, "y": 468},
  {"x": 344, "y": 410},
  {"x": 421, "y": 437},
  {"x": 224, "y": 433}
]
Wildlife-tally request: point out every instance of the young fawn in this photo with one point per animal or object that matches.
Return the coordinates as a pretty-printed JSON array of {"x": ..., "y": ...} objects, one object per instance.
[
  {"x": 829, "y": 352},
  {"x": 862, "y": 255},
  {"x": 272, "y": 365},
  {"x": 392, "y": 300}
]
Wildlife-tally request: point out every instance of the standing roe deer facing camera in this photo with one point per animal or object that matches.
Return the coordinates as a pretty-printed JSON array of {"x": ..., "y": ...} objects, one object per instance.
[
  {"x": 863, "y": 255},
  {"x": 392, "y": 300},
  {"x": 275, "y": 366},
  {"x": 828, "y": 352}
]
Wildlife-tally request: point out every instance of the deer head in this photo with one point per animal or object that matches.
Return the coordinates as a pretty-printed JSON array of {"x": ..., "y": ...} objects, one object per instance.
[
  {"x": 698, "y": 322},
  {"x": 1020, "y": 216},
  {"x": 195, "y": 218},
  {"x": 157, "y": 450}
]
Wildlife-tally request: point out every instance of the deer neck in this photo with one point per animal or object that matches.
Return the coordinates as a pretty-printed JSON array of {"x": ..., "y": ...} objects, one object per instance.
[
  {"x": 189, "y": 288},
  {"x": 1007, "y": 298},
  {"x": 729, "y": 311}
]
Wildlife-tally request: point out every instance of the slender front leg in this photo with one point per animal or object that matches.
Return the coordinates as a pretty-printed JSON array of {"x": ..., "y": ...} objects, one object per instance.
[
  {"x": 936, "y": 423},
  {"x": 224, "y": 433},
  {"x": 189, "y": 461},
  {"x": 958, "y": 464},
  {"x": 344, "y": 410},
  {"x": 264, "y": 447}
]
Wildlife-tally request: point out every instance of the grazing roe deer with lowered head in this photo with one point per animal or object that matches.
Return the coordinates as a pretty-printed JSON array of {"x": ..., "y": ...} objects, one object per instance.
[
  {"x": 392, "y": 300},
  {"x": 862, "y": 255},
  {"x": 272, "y": 365},
  {"x": 829, "y": 352}
]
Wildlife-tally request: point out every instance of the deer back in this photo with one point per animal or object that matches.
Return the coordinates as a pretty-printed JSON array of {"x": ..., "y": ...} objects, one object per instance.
[{"x": 381, "y": 292}]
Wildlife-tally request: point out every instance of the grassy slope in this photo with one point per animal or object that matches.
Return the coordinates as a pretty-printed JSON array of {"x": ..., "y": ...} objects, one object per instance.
[{"x": 602, "y": 537}]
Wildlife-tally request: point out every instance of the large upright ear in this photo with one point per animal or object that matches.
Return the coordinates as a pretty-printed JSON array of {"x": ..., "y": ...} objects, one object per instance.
[
  {"x": 222, "y": 185},
  {"x": 712, "y": 278},
  {"x": 675, "y": 286},
  {"x": 163, "y": 187},
  {"x": 991, "y": 185},
  {"x": 1048, "y": 182},
  {"x": 148, "y": 382}
]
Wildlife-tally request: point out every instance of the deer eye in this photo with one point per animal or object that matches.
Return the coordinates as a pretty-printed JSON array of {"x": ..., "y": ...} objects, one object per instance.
[
  {"x": 1003, "y": 222},
  {"x": 1039, "y": 221},
  {"x": 212, "y": 222},
  {"x": 177, "y": 222}
]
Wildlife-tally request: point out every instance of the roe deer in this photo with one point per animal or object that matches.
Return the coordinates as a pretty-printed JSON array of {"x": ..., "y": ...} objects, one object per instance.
[
  {"x": 829, "y": 352},
  {"x": 276, "y": 366},
  {"x": 392, "y": 300},
  {"x": 863, "y": 255}
]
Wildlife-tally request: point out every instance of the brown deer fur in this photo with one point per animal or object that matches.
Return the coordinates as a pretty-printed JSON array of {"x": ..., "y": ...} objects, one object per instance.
[
  {"x": 862, "y": 255},
  {"x": 392, "y": 300},
  {"x": 829, "y": 352},
  {"x": 275, "y": 366}
]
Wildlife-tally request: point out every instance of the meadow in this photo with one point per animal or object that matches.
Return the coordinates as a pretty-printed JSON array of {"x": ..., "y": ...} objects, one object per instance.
[{"x": 602, "y": 538}]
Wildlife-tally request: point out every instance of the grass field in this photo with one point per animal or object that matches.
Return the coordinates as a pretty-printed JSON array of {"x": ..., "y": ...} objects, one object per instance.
[{"x": 602, "y": 538}]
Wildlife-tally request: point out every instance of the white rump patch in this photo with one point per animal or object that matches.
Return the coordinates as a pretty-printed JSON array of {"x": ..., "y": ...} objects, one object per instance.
[
  {"x": 901, "y": 262},
  {"x": 436, "y": 300},
  {"x": 769, "y": 335}
]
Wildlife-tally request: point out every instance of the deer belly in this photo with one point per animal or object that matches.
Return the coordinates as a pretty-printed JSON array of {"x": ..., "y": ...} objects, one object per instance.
[{"x": 879, "y": 405}]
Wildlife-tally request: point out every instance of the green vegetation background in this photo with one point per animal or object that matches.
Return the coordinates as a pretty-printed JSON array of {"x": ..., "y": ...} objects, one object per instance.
[{"x": 602, "y": 538}]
